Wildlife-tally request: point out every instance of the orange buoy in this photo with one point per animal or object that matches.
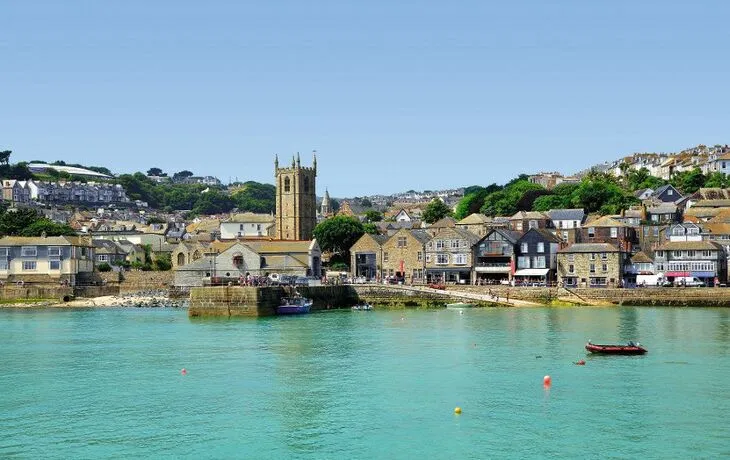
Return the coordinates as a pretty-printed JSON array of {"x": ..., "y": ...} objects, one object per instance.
[
  {"x": 547, "y": 381},
  {"x": 184, "y": 371},
  {"x": 457, "y": 410}
]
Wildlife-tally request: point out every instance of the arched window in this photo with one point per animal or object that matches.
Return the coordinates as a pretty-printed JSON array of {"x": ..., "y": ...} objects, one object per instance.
[
  {"x": 306, "y": 184},
  {"x": 180, "y": 259},
  {"x": 287, "y": 184}
]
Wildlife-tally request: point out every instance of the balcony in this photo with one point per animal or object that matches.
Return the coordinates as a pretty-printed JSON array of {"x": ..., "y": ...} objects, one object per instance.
[{"x": 490, "y": 267}]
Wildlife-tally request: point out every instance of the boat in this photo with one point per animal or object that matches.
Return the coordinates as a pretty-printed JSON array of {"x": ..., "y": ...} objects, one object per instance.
[
  {"x": 362, "y": 307},
  {"x": 631, "y": 348},
  {"x": 457, "y": 305},
  {"x": 294, "y": 306}
]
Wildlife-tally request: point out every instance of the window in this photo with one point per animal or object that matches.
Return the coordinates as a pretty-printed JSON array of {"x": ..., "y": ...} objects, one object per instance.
[
  {"x": 677, "y": 254},
  {"x": 401, "y": 241},
  {"x": 455, "y": 244},
  {"x": 54, "y": 264},
  {"x": 3, "y": 252},
  {"x": 518, "y": 226},
  {"x": 707, "y": 253},
  {"x": 560, "y": 224},
  {"x": 670, "y": 192},
  {"x": 442, "y": 259},
  {"x": 54, "y": 251},
  {"x": 29, "y": 265},
  {"x": 240, "y": 227},
  {"x": 29, "y": 251},
  {"x": 523, "y": 262},
  {"x": 385, "y": 257},
  {"x": 540, "y": 247},
  {"x": 539, "y": 262},
  {"x": 440, "y": 244},
  {"x": 593, "y": 256},
  {"x": 460, "y": 259},
  {"x": 428, "y": 258},
  {"x": 571, "y": 258},
  {"x": 660, "y": 253},
  {"x": 287, "y": 184},
  {"x": 524, "y": 248},
  {"x": 306, "y": 184},
  {"x": 614, "y": 232},
  {"x": 420, "y": 256},
  {"x": 565, "y": 236},
  {"x": 103, "y": 258},
  {"x": 604, "y": 256},
  {"x": 690, "y": 253},
  {"x": 693, "y": 231},
  {"x": 571, "y": 268},
  {"x": 604, "y": 268},
  {"x": 593, "y": 268},
  {"x": 532, "y": 224}
]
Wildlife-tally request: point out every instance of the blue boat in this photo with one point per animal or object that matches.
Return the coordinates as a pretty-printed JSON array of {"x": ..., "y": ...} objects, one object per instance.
[{"x": 294, "y": 306}]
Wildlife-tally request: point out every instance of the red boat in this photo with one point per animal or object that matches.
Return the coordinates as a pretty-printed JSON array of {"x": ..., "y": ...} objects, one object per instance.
[{"x": 630, "y": 349}]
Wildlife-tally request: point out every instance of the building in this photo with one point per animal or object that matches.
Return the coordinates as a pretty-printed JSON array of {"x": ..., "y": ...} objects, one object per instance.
[
  {"x": 403, "y": 257},
  {"x": 566, "y": 223},
  {"x": 296, "y": 201},
  {"x": 46, "y": 260},
  {"x": 326, "y": 209},
  {"x": 705, "y": 260},
  {"x": 478, "y": 224},
  {"x": 495, "y": 256},
  {"x": 666, "y": 194},
  {"x": 592, "y": 265},
  {"x": 536, "y": 256},
  {"x": 366, "y": 256},
  {"x": 450, "y": 256},
  {"x": 608, "y": 230},
  {"x": 247, "y": 225},
  {"x": 525, "y": 220},
  {"x": 225, "y": 262}
]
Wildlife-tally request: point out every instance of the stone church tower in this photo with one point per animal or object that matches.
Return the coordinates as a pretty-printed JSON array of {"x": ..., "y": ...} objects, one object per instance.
[{"x": 296, "y": 201}]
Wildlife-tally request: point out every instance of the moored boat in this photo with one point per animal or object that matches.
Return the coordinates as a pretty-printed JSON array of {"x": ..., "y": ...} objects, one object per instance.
[
  {"x": 362, "y": 307},
  {"x": 294, "y": 306},
  {"x": 629, "y": 349}
]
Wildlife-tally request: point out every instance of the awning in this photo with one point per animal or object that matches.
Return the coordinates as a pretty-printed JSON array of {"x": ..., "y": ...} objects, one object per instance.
[
  {"x": 677, "y": 274},
  {"x": 532, "y": 272}
]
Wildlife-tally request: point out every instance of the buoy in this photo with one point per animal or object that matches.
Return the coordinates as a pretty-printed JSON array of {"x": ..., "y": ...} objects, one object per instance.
[
  {"x": 184, "y": 371},
  {"x": 457, "y": 410},
  {"x": 547, "y": 381},
  {"x": 581, "y": 363}
]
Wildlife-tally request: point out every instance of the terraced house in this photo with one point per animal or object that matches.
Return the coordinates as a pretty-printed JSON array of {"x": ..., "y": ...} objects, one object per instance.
[
  {"x": 450, "y": 256},
  {"x": 403, "y": 257},
  {"x": 46, "y": 260},
  {"x": 679, "y": 260},
  {"x": 592, "y": 265}
]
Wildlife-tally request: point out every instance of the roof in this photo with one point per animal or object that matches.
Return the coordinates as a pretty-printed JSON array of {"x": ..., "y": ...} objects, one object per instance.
[
  {"x": 446, "y": 222},
  {"x": 69, "y": 169},
  {"x": 690, "y": 246},
  {"x": 701, "y": 212},
  {"x": 567, "y": 214},
  {"x": 662, "y": 209},
  {"x": 633, "y": 213},
  {"x": 520, "y": 215},
  {"x": 605, "y": 221},
  {"x": 663, "y": 189},
  {"x": 508, "y": 235},
  {"x": 721, "y": 203},
  {"x": 589, "y": 247},
  {"x": 45, "y": 241},
  {"x": 641, "y": 258},
  {"x": 278, "y": 246},
  {"x": 718, "y": 228},
  {"x": 474, "y": 219},
  {"x": 546, "y": 234},
  {"x": 250, "y": 217}
]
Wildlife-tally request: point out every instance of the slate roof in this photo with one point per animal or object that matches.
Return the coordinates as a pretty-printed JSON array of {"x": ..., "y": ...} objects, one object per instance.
[
  {"x": 690, "y": 246},
  {"x": 662, "y": 209},
  {"x": 508, "y": 235},
  {"x": 663, "y": 189},
  {"x": 567, "y": 214},
  {"x": 520, "y": 215},
  {"x": 47, "y": 241},
  {"x": 589, "y": 247},
  {"x": 546, "y": 234},
  {"x": 421, "y": 235},
  {"x": 605, "y": 221}
]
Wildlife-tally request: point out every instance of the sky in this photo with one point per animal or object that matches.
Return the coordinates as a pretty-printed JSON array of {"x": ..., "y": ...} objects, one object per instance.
[{"x": 393, "y": 95}]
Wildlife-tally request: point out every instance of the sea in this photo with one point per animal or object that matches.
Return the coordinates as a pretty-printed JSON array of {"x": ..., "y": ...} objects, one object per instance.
[{"x": 109, "y": 383}]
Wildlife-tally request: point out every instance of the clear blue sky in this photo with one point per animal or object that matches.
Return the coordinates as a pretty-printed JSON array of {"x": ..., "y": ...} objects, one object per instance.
[{"x": 393, "y": 95}]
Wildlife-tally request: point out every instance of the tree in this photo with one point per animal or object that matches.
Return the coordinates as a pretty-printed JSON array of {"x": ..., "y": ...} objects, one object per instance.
[
  {"x": 5, "y": 157},
  {"x": 213, "y": 202},
  {"x": 471, "y": 203},
  {"x": 338, "y": 234},
  {"x": 162, "y": 263},
  {"x": 256, "y": 197},
  {"x": 435, "y": 210},
  {"x": 180, "y": 175},
  {"x": 104, "y": 267},
  {"x": 47, "y": 227},
  {"x": 688, "y": 181},
  {"x": 518, "y": 195},
  {"x": 13, "y": 222},
  {"x": 154, "y": 172},
  {"x": 372, "y": 215},
  {"x": 371, "y": 228}
]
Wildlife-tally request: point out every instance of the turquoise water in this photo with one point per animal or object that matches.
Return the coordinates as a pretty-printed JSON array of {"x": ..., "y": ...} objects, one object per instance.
[{"x": 107, "y": 384}]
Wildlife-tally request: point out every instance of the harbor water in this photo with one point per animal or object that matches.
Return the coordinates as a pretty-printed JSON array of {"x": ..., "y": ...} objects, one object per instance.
[{"x": 107, "y": 383}]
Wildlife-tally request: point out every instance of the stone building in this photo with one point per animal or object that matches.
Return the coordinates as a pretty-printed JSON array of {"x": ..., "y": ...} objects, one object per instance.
[
  {"x": 478, "y": 224},
  {"x": 608, "y": 230},
  {"x": 525, "y": 220},
  {"x": 450, "y": 256},
  {"x": 404, "y": 256},
  {"x": 592, "y": 265},
  {"x": 296, "y": 200},
  {"x": 366, "y": 256}
]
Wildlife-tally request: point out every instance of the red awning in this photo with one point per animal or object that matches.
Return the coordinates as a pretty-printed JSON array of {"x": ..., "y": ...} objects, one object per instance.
[{"x": 676, "y": 274}]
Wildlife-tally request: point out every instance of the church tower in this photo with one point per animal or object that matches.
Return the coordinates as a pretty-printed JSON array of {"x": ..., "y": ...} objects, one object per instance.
[{"x": 296, "y": 201}]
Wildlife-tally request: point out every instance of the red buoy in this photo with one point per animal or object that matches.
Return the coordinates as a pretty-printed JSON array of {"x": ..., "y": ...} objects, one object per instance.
[
  {"x": 547, "y": 381},
  {"x": 581, "y": 362},
  {"x": 184, "y": 371}
]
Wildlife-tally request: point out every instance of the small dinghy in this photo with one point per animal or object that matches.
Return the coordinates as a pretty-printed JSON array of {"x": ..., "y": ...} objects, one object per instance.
[{"x": 629, "y": 349}]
